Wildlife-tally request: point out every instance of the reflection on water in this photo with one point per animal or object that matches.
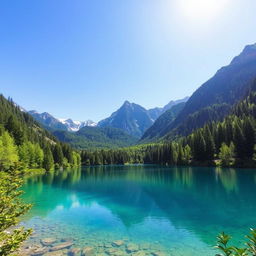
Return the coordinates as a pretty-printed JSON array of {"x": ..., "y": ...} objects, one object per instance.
[{"x": 182, "y": 209}]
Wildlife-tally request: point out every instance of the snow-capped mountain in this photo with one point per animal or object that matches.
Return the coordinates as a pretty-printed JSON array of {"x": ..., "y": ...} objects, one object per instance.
[
  {"x": 54, "y": 123},
  {"x": 76, "y": 125}
]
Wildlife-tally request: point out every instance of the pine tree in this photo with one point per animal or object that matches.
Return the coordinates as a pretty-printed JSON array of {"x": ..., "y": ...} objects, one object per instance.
[
  {"x": 48, "y": 162},
  {"x": 58, "y": 155},
  {"x": 239, "y": 142},
  {"x": 249, "y": 135},
  {"x": 209, "y": 144}
]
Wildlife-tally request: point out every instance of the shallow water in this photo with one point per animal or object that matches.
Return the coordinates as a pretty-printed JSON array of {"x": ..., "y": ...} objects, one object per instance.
[{"x": 175, "y": 211}]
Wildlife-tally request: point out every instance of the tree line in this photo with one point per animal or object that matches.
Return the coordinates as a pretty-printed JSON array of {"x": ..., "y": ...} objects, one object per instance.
[
  {"x": 230, "y": 142},
  {"x": 24, "y": 141}
]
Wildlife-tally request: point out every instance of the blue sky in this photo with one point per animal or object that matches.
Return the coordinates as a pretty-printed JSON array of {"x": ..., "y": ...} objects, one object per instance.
[{"x": 83, "y": 58}]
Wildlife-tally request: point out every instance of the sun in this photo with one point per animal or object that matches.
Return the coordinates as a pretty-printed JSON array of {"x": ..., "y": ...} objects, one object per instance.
[{"x": 202, "y": 9}]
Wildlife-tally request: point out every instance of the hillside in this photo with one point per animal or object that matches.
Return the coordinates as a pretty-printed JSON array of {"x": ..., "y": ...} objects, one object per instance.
[
  {"x": 29, "y": 143},
  {"x": 213, "y": 100},
  {"x": 159, "y": 126},
  {"x": 229, "y": 142},
  {"x": 96, "y": 137}
]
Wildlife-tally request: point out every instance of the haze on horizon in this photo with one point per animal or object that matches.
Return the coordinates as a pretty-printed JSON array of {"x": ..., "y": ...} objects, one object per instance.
[{"x": 83, "y": 59}]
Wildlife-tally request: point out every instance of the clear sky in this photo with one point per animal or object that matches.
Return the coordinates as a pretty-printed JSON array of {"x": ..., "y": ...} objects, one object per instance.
[{"x": 83, "y": 58}]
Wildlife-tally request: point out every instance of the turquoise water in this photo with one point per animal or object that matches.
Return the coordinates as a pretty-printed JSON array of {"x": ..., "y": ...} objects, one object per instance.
[{"x": 175, "y": 211}]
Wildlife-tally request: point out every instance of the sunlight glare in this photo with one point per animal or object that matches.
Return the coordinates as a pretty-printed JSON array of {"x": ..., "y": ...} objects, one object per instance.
[{"x": 202, "y": 9}]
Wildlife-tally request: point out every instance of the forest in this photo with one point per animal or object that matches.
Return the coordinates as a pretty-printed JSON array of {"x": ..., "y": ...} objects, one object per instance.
[
  {"x": 24, "y": 142},
  {"x": 229, "y": 142}
]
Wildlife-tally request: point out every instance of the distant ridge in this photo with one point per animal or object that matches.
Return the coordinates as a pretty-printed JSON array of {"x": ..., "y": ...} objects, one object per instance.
[
  {"x": 54, "y": 123},
  {"x": 135, "y": 119}
]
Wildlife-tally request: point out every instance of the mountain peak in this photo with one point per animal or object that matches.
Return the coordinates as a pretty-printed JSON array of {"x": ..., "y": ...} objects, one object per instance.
[
  {"x": 127, "y": 103},
  {"x": 248, "y": 54}
]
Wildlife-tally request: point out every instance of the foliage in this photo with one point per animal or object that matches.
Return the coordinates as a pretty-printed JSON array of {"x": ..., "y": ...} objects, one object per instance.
[
  {"x": 226, "y": 250},
  {"x": 23, "y": 140},
  {"x": 11, "y": 209},
  {"x": 90, "y": 138},
  {"x": 226, "y": 154},
  {"x": 8, "y": 151}
]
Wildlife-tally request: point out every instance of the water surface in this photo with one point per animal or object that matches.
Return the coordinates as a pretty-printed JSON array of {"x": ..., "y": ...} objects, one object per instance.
[{"x": 175, "y": 211}]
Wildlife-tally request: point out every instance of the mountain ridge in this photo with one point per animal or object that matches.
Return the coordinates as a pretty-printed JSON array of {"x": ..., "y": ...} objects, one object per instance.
[
  {"x": 135, "y": 119},
  {"x": 229, "y": 85}
]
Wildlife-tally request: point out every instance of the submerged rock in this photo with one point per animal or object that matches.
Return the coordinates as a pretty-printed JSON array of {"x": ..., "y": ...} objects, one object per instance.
[
  {"x": 115, "y": 252},
  {"x": 48, "y": 241},
  {"x": 139, "y": 253},
  {"x": 118, "y": 243},
  {"x": 74, "y": 252},
  {"x": 39, "y": 251},
  {"x": 88, "y": 251},
  {"x": 132, "y": 247},
  {"x": 62, "y": 246},
  {"x": 57, "y": 253},
  {"x": 158, "y": 254}
]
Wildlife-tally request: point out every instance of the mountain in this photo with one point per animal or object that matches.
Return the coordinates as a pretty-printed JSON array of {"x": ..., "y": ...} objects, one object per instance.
[
  {"x": 156, "y": 130},
  {"x": 96, "y": 137},
  {"x": 130, "y": 117},
  {"x": 37, "y": 147},
  {"x": 134, "y": 119},
  {"x": 214, "y": 99},
  {"x": 156, "y": 112},
  {"x": 52, "y": 123},
  {"x": 76, "y": 125},
  {"x": 47, "y": 120}
]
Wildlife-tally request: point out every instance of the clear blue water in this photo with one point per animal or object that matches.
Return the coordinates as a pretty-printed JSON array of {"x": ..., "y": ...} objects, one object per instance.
[{"x": 176, "y": 211}]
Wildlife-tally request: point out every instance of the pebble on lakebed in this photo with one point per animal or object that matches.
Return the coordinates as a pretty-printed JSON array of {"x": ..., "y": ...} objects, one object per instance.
[{"x": 66, "y": 247}]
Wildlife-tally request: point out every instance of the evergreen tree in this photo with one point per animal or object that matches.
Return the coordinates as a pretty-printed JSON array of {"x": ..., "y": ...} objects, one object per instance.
[
  {"x": 48, "y": 162},
  {"x": 209, "y": 144},
  {"x": 249, "y": 135},
  {"x": 239, "y": 142},
  {"x": 58, "y": 155}
]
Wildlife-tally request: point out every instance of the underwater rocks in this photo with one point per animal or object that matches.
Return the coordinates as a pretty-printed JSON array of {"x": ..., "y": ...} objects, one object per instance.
[
  {"x": 89, "y": 246},
  {"x": 131, "y": 247},
  {"x": 62, "y": 246},
  {"x": 118, "y": 243},
  {"x": 88, "y": 251},
  {"x": 48, "y": 241}
]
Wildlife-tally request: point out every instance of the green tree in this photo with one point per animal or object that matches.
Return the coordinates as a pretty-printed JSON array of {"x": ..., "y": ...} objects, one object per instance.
[
  {"x": 249, "y": 134},
  {"x": 226, "y": 154},
  {"x": 11, "y": 208},
  {"x": 8, "y": 152},
  {"x": 38, "y": 155},
  {"x": 239, "y": 141},
  {"x": 48, "y": 163},
  {"x": 209, "y": 144},
  {"x": 187, "y": 154},
  {"x": 58, "y": 155}
]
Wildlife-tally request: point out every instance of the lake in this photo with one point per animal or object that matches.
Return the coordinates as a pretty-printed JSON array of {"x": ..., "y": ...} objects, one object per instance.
[{"x": 142, "y": 209}]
